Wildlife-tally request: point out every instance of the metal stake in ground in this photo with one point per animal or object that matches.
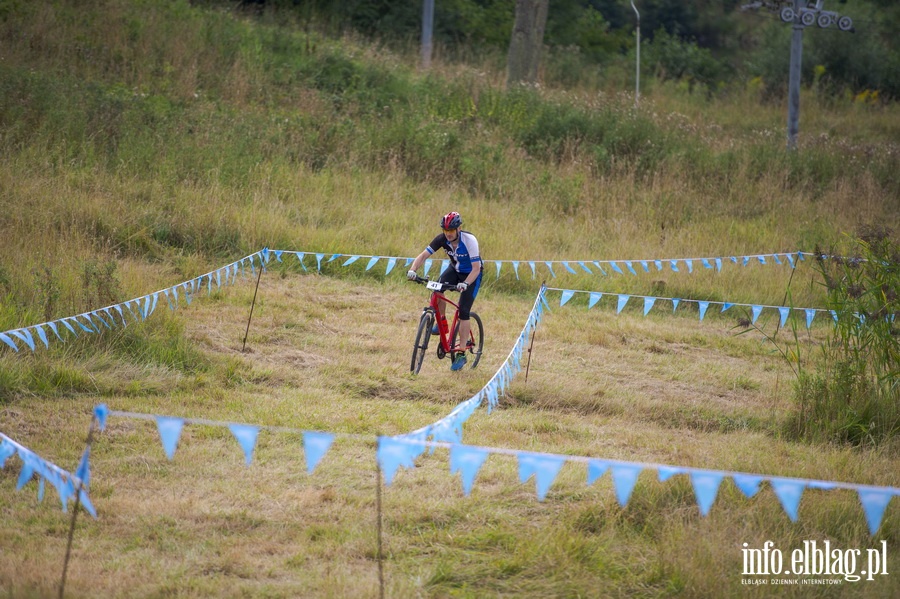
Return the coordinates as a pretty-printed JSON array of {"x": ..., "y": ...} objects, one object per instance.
[
  {"x": 62, "y": 582},
  {"x": 531, "y": 346},
  {"x": 252, "y": 304}
]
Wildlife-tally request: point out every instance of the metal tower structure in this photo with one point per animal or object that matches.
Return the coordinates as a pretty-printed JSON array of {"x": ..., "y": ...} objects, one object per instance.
[{"x": 801, "y": 14}]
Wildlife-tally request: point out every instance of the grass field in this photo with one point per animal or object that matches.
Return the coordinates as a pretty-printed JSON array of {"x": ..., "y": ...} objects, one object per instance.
[
  {"x": 331, "y": 354},
  {"x": 144, "y": 144}
]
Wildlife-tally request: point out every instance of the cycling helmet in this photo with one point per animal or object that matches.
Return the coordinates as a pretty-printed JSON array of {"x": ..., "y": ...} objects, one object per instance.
[{"x": 451, "y": 221}]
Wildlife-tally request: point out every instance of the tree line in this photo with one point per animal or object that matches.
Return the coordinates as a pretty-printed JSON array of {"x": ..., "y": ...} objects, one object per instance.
[{"x": 708, "y": 43}]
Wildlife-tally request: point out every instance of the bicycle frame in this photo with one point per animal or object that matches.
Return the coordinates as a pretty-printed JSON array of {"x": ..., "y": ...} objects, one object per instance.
[{"x": 444, "y": 326}]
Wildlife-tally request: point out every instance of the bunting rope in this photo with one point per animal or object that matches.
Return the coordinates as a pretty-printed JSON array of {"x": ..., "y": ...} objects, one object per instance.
[
  {"x": 710, "y": 263},
  {"x": 142, "y": 307},
  {"x": 65, "y": 482},
  {"x": 703, "y": 305},
  {"x": 145, "y": 305},
  {"x": 467, "y": 460}
]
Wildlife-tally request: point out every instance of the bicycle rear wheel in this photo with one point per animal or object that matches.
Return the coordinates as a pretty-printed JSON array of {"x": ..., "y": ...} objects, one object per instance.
[
  {"x": 423, "y": 336},
  {"x": 476, "y": 337}
]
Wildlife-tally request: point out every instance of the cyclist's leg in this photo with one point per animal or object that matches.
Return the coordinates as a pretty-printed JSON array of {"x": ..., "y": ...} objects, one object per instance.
[
  {"x": 466, "y": 299},
  {"x": 448, "y": 276}
]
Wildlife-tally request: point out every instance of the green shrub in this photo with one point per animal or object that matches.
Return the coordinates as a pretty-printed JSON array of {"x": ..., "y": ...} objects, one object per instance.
[{"x": 856, "y": 396}]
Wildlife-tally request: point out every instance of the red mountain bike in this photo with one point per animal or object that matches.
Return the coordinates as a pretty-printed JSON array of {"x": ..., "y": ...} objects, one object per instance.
[{"x": 426, "y": 322}]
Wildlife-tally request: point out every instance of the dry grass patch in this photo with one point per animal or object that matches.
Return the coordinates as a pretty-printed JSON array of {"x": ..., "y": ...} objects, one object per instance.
[{"x": 332, "y": 354}]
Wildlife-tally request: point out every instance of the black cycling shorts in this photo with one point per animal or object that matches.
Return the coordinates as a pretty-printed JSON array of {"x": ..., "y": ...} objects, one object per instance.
[{"x": 467, "y": 297}]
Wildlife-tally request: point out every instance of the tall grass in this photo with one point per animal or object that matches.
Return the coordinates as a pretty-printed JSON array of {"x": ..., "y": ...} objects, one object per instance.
[
  {"x": 166, "y": 138},
  {"x": 145, "y": 142},
  {"x": 854, "y": 398}
]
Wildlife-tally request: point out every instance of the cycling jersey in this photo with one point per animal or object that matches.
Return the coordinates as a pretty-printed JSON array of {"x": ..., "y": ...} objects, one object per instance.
[{"x": 465, "y": 254}]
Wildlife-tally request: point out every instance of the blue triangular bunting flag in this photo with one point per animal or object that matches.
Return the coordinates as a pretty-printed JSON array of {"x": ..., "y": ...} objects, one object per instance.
[
  {"x": 516, "y": 269},
  {"x": 315, "y": 445},
  {"x": 6, "y": 339},
  {"x": 86, "y": 502},
  {"x": 391, "y": 263},
  {"x": 25, "y": 474},
  {"x": 25, "y": 336},
  {"x": 596, "y": 469},
  {"x": 372, "y": 261},
  {"x": 624, "y": 478},
  {"x": 84, "y": 467},
  {"x": 467, "y": 461},
  {"x": 42, "y": 335},
  {"x": 648, "y": 304},
  {"x": 615, "y": 268},
  {"x": 675, "y": 302},
  {"x": 703, "y": 307},
  {"x": 351, "y": 260},
  {"x": 544, "y": 467},
  {"x": 755, "y": 311},
  {"x": 789, "y": 493},
  {"x": 874, "y": 503},
  {"x": 594, "y": 298},
  {"x": 784, "y": 312},
  {"x": 569, "y": 268},
  {"x": 566, "y": 296},
  {"x": 100, "y": 413},
  {"x": 169, "y": 432},
  {"x": 810, "y": 314},
  {"x": 393, "y": 453},
  {"x": 7, "y": 450},
  {"x": 706, "y": 487},
  {"x": 748, "y": 484},
  {"x": 246, "y": 436},
  {"x": 623, "y": 299}
]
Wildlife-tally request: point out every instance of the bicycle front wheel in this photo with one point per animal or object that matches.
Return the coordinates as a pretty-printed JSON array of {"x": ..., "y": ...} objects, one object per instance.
[
  {"x": 423, "y": 336},
  {"x": 476, "y": 337}
]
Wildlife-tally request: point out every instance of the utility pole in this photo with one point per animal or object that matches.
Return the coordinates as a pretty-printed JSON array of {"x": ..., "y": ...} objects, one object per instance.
[
  {"x": 801, "y": 14},
  {"x": 637, "y": 78},
  {"x": 427, "y": 28},
  {"x": 794, "y": 73}
]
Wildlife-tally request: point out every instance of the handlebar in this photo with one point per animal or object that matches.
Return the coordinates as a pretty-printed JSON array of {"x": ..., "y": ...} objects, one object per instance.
[{"x": 426, "y": 280}]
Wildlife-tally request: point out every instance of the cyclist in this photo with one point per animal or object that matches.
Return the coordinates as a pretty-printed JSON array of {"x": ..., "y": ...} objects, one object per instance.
[{"x": 464, "y": 272}]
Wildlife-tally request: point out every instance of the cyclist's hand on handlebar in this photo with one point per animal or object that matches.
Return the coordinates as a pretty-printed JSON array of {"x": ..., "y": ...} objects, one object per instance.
[
  {"x": 411, "y": 275},
  {"x": 462, "y": 286}
]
